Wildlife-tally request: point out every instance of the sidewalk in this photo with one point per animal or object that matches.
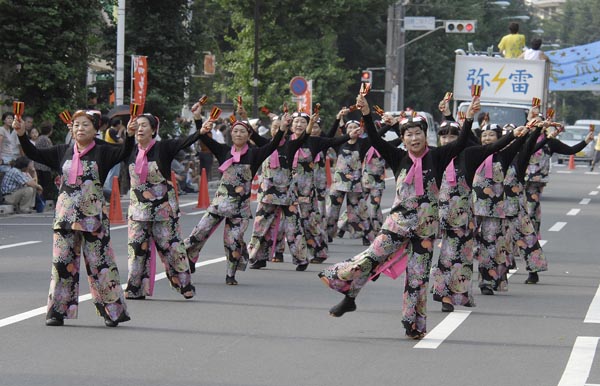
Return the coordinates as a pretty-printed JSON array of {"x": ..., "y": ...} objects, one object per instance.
[{"x": 8, "y": 210}]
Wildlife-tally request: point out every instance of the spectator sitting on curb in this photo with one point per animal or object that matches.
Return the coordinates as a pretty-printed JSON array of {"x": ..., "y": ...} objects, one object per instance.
[{"x": 18, "y": 187}]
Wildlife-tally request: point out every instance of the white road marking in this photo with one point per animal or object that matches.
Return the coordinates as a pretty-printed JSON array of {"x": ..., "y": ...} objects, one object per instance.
[
  {"x": 557, "y": 227},
  {"x": 42, "y": 310},
  {"x": 593, "y": 193},
  {"x": 543, "y": 242},
  {"x": 593, "y": 314},
  {"x": 580, "y": 362},
  {"x": 573, "y": 212},
  {"x": 511, "y": 272},
  {"x": 443, "y": 330},
  {"x": 563, "y": 171},
  {"x": 598, "y": 187},
  {"x": 19, "y": 244},
  {"x": 194, "y": 213},
  {"x": 585, "y": 201}
]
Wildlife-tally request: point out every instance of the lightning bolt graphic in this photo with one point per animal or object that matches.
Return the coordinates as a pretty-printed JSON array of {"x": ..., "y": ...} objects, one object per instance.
[{"x": 498, "y": 79}]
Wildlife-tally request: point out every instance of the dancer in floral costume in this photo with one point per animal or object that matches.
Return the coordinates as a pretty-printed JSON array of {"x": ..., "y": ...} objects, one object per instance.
[
  {"x": 154, "y": 211},
  {"x": 493, "y": 244},
  {"x": 411, "y": 225},
  {"x": 231, "y": 202},
  {"x": 452, "y": 275},
  {"x": 81, "y": 221},
  {"x": 302, "y": 181},
  {"x": 347, "y": 182},
  {"x": 278, "y": 205}
]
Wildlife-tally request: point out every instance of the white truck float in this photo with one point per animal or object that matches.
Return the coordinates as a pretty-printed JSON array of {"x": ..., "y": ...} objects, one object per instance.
[{"x": 508, "y": 86}]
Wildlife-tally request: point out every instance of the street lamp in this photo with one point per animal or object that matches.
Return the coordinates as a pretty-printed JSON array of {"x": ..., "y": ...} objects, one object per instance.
[
  {"x": 501, "y": 4},
  {"x": 519, "y": 17}
]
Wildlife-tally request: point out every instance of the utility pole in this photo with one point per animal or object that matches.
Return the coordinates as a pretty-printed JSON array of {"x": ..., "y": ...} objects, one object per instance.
[
  {"x": 394, "y": 59},
  {"x": 120, "y": 70},
  {"x": 256, "y": 47}
]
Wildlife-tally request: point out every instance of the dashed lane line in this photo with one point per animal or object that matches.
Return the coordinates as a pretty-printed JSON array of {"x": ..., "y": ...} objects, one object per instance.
[
  {"x": 443, "y": 330},
  {"x": 593, "y": 313},
  {"x": 557, "y": 227},
  {"x": 42, "y": 310},
  {"x": 580, "y": 362},
  {"x": 20, "y": 244},
  {"x": 573, "y": 212}
]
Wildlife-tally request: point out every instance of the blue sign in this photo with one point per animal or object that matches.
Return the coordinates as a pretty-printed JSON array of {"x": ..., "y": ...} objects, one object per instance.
[
  {"x": 575, "y": 68},
  {"x": 298, "y": 85}
]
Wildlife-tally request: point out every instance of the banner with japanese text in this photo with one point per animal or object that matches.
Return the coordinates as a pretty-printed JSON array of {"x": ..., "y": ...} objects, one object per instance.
[
  {"x": 575, "y": 68},
  {"x": 140, "y": 80},
  {"x": 502, "y": 80}
]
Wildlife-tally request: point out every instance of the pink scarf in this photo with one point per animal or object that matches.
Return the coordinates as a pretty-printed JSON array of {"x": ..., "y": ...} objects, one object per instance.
[
  {"x": 141, "y": 161},
  {"x": 236, "y": 155},
  {"x": 371, "y": 153},
  {"x": 318, "y": 157},
  {"x": 76, "y": 166},
  {"x": 298, "y": 152},
  {"x": 487, "y": 164},
  {"x": 451, "y": 173},
  {"x": 274, "y": 158},
  {"x": 540, "y": 139},
  {"x": 416, "y": 172}
]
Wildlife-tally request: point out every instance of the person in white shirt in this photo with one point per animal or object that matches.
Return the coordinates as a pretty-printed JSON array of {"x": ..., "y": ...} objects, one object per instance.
[
  {"x": 217, "y": 135},
  {"x": 534, "y": 53},
  {"x": 10, "y": 149}
]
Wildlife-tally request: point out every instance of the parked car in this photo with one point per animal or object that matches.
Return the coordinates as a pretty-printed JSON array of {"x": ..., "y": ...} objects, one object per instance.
[
  {"x": 588, "y": 122},
  {"x": 431, "y": 128},
  {"x": 572, "y": 135}
]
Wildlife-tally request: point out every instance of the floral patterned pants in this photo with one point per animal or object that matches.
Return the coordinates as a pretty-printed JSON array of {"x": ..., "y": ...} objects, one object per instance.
[
  {"x": 349, "y": 276},
  {"x": 233, "y": 240},
  {"x": 171, "y": 250},
  {"x": 525, "y": 243},
  {"x": 267, "y": 224},
  {"x": 533, "y": 193},
  {"x": 103, "y": 274},
  {"x": 313, "y": 230},
  {"x": 452, "y": 276},
  {"x": 357, "y": 222},
  {"x": 493, "y": 253},
  {"x": 375, "y": 213}
]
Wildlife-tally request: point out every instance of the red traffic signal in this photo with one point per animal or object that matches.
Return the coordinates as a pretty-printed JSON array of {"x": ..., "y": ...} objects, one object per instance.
[
  {"x": 460, "y": 26},
  {"x": 366, "y": 76}
]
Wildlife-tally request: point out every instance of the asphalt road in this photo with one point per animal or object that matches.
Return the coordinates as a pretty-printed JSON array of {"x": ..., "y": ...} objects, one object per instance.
[{"x": 274, "y": 328}]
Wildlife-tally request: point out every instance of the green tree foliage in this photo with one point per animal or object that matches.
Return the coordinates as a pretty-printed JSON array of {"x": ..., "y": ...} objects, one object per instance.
[
  {"x": 46, "y": 47},
  {"x": 327, "y": 43},
  {"x": 161, "y": 31}
]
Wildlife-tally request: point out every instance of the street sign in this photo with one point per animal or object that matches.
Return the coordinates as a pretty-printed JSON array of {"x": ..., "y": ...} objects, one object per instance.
[
  {"x": 298, "y": 85},
  {"x": 419, "y": 23}
]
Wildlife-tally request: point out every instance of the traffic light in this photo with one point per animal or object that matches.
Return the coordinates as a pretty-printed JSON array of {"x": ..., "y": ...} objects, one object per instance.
[
  {"x": 366, "y": 76},
  {"x": 460, "y": 26}
]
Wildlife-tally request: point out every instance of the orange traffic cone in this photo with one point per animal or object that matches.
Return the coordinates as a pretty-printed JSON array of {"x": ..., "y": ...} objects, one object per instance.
[
  {"x": 175, "y": 186},
  {"x": 254, "y": 188},
  {"x": 572, "y": 162},
  {"x": 203, "y": 199},
  {"x": 328, "y": 171},
  {"x": 115, "y": 215}
]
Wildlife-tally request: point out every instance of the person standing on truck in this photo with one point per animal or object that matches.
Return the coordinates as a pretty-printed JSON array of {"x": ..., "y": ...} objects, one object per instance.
[
  {"x": 534, "y": 53},
  {"x": 511, "y": 45}
]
